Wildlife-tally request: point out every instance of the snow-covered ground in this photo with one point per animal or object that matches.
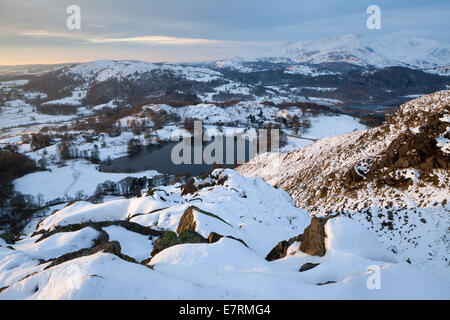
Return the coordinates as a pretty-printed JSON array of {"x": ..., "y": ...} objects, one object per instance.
[
  {"x": 83, "y": 176},
  {"x": 66, "y": 181},
  {"x": 355, "y": 265},
  {"x": 411, "y": 219}
]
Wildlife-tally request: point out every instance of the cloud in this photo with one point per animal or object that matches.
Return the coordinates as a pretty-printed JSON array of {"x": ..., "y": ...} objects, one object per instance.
[
  {"x": 36, "y": 33},
  {"x": 161, "y": 40}
]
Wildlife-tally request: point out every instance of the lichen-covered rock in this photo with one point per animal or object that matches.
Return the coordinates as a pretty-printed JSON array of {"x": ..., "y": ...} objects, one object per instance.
[{"x": 169, "y": 239}]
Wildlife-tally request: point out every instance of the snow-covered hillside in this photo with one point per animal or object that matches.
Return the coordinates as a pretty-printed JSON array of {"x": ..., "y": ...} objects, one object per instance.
[
  {"x": 394, "y": 179},
  {"x": 208, "y": 240},
  {"x": 102, "y": 70}
]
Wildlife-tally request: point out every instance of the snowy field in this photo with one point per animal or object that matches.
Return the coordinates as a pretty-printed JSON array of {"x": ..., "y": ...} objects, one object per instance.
[{"x": 63, "y": 182}]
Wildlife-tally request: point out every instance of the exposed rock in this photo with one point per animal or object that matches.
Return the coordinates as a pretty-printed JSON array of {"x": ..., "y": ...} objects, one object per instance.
[
  {"x": 214, "y": 237},
  {"x": 131, "y": 226},
  {"x": 191, "y": 237},
  {"x": 169, "y": 239},
  {"x": 166, "y": 240},
  {"x": 192, "y": 186},
  {"x": 308, "y": 266},
  {"x": 280, "y": 250},
  {"x": 237, "y": 239},
  {"x": 313, "y": 239},
  {"x": 8, "y": 237},
  {"x": 187, "y": 221},
  {"x": 110, "y": 247},
  {"x": 324, "y": 283}
]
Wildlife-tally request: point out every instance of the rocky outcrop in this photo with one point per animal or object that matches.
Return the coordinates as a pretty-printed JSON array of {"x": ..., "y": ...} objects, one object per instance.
[
  {"x": 131, "y": 226},
  {"x": 280, "y": 250},
  {"x": 170, "y": 238},
  {"x": 313, "y": 238},
  {"x": 110, "y": 247},
  {"x": 187, "y": 221},
  {"x": 193, "y": 185},
  {"x": 214, "y": 237},
  {"x": 308, "y": 266},
  {"x": 8, "y": 237}
]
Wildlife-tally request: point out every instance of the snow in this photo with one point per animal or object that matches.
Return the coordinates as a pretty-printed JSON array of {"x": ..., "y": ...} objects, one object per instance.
[
  {"x": 78, "y": 94},
  {"x": 133, "y": 244},
  {"x": 66, "y": 181},
  {"x": 328, "y": 126},
  {"x": 347, "y": 237},
  {"x": 228, "y": 270},
  {"x": 412, "y": 222},
  {"x": 57, "y": 244},
  {"x": 363, "y": 50},
  {"x": 255, "y": 212},
  {"x": 103, "y": 70},
  {"x": 380, "y": 51}
]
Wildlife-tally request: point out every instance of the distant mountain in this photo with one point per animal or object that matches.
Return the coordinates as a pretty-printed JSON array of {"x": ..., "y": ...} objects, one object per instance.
[
  {"x": 28, "y": 70},
  {"x": 350, "y": 71},
  {"x": 358, "y": 50}
]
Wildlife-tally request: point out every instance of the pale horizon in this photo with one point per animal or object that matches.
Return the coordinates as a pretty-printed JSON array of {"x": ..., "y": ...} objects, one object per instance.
[{"x": 198, "y": 31}]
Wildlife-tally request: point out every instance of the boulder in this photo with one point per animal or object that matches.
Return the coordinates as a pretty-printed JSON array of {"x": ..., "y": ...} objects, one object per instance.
[
  {"x": 214, "y": 237},
  {"x": 112, "y": 247},
  {"x": 187, "y": 221},
  {"x": 170, "y": 238},
  {"x": 308, "y": 266},
  {"x": 280, "y": 250},
  {"x": 313, "y": 239}
]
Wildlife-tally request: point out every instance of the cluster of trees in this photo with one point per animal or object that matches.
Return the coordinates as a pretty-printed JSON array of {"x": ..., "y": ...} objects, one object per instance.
[
  {"x": 128, "y": 187},
  {"x": 14, "y": 207},
  {"x": 57, "y": 108},
  {"x": 55, "y": 84},
  {"x": 298, "y": 124},
  {"x": 166, "y": 87},
  {"x": 134, "y": 146},
  {"x": 188, "y": 124},
  {"x": 281, "y": 137},
  {"x": 67, "y": 151},
  {"x": 132, "y": 186},
  {"x": 38, "y": 140}
]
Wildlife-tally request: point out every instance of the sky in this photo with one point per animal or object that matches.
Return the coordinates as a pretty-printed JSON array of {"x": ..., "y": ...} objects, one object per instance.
[{"x": 197, "y": 30}]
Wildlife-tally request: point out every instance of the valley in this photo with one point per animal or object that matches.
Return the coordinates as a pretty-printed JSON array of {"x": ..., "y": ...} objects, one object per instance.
[{"x": 353, "y": 182}]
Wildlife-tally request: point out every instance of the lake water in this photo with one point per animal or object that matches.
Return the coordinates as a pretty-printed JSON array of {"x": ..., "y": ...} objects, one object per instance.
[{"x": 159, "y": 158}]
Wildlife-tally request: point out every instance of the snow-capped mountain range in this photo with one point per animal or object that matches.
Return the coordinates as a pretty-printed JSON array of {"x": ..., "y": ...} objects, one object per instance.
[{"x": 358, "y": 50}]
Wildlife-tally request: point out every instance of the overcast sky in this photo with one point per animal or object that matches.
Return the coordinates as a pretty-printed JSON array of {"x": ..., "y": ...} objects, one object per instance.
[{"x": 34, "y": 31}]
